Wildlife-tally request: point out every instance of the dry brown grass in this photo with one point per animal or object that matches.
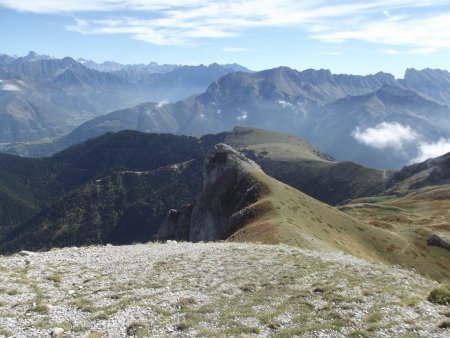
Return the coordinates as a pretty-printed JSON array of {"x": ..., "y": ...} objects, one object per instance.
[{"x": 414, "y": 215}]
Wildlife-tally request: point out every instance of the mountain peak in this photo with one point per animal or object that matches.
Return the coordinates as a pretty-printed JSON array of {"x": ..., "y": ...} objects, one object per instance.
[
  {"x": 432, "y": 83},
  {"x": 426, "y": 72},
  {"x": 222, "y": 158},
  {"x": 33, "y": 56}
]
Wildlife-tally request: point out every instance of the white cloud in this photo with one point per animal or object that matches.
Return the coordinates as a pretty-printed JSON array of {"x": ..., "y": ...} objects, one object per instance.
[
  {"x": 57, "y": 6},
  {"x": 420, "y": 51},
  {"x": 9, "y": 87},
  {"x": 396, "y": 136},
  {"x": 431, "y": 150},
  {"x": 422, "y": 25},
  {"x": 386, "y": 135},
  {"x": 243, "y": 116},
  {"x": 162, "y": 103},
  {"x": 419, "y": 34},
  {"x": 284, "y": 104}
]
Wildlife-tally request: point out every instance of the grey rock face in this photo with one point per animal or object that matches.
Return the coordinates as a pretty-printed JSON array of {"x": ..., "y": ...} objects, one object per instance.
[
  {"x": 222, "y": 207},
  {"x": 56, "y": 332},
  {"x": 228, "y": 189},
  {"x": 432, "y": 83},
  {"x": 439, "y": 241},
  {"x": 176, "y": 226},
  {"x": 27, "y": 253}
]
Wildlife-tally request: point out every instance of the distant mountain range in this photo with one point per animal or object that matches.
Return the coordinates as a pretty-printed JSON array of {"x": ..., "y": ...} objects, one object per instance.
[
  {"x": 375, "y": 120},
  {"x": 30, "y": 57},
  {"x": 43, "y": 97},
  {"x": 49, "y": 97},
  {"x": 111, "y": 66},
  {"x": 166, "y": 82}
]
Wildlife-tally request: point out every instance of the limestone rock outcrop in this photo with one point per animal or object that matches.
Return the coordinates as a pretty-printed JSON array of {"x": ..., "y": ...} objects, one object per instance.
[
  {"x": 176, "y": 225},
  {"x": 439, "y": 241},
  {"x": 223, "y": 207}
]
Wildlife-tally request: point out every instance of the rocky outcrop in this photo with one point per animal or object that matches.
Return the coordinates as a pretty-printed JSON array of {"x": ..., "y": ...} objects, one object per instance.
[
  {"x": 225, "y": 203},
  {"x": 439, "y": 241},
  {"x": 176, "y": 226},
  {"x": 434, "y": 171}
]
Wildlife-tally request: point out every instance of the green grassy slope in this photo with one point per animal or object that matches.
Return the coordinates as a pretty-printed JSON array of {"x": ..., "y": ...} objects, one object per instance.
[
  {"x": 292, "y": 217},
  {"x": 263, "y": 143},
  {"x": 297, "y": 163}
]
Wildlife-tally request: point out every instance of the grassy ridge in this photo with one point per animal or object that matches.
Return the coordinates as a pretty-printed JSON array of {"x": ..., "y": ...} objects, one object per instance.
[{"x": 292, "y": 217}]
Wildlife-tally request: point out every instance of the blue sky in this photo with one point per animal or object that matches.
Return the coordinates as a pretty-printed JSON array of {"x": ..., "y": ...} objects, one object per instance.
[{"x": 343, "y": 36}]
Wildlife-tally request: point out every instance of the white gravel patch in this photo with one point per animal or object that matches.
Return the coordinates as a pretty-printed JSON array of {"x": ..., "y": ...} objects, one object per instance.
[{"x": 211, "y": 289}]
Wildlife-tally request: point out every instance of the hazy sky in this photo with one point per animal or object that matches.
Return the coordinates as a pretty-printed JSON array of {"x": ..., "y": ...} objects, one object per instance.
[{"x": 358, "y": 37}]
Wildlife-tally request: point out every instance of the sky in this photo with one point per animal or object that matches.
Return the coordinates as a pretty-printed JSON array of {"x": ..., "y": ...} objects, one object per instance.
[{"x": 346, "y": 36}]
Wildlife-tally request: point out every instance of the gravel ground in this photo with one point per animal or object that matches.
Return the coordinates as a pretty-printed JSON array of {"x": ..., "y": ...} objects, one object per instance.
[{"x": 211, "y": 290}]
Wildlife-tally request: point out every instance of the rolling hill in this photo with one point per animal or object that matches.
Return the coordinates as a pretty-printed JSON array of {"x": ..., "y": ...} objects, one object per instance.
[
  {"x": 103, "y": 176},
  {"x": 435, "y": 171},
  {"x": 297, "y": 163}
]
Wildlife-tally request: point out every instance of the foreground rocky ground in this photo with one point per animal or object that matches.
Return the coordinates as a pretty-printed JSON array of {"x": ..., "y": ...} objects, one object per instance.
[{"x": 212, "y": 289}]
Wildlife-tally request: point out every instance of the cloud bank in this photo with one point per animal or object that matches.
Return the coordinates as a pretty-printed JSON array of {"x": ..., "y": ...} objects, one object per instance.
[
  {"x": 431, "y": 150},
  {"x": 396, "y": 136},
  {"x": 422, "y": 26},
  {"x": 9, "y": 87},
  {"x": 386, "y": 135}
]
